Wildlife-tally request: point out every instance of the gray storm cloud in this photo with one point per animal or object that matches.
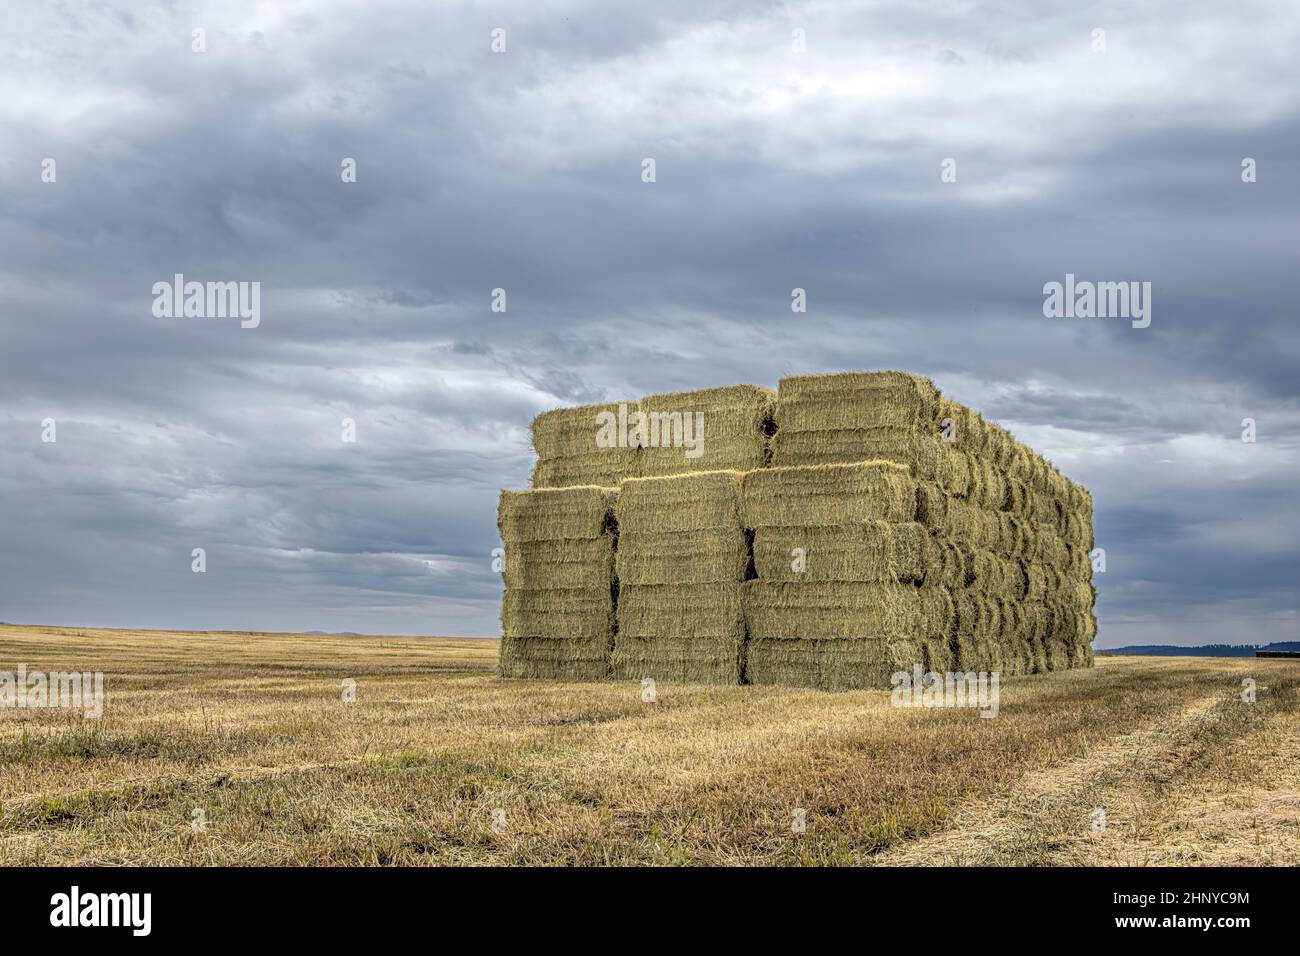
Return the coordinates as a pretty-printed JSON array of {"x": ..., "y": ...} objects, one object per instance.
[{"x": 521, "y": 170}]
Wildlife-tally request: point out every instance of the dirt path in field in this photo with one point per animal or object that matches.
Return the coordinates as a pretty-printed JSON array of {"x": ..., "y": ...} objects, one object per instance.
[{"x": 1048, "y": 817}]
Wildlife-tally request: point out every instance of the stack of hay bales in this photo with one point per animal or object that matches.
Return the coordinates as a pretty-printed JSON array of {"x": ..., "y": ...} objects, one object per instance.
[
  {"x": 882, "y": 526},
  {"x": 849, "y": 588},
  {"x": 682, "y": 556},
  {"x": 557, "y": 614},
  {"x": 1021, "y": 531}
]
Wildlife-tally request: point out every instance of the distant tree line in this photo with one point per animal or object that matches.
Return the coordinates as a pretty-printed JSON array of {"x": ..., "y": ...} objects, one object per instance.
[{"x": 1204, "y": 650}]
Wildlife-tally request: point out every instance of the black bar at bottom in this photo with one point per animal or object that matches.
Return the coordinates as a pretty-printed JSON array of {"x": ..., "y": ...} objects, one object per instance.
[{"x": 305, "y": 905}]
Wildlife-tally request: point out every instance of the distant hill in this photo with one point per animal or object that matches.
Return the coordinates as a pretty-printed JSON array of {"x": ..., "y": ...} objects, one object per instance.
[{"x": 1205, "y": 650}]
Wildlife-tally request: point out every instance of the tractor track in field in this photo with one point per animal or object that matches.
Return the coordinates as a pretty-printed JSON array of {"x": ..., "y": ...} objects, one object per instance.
[{"x": 1049, "y": 812}]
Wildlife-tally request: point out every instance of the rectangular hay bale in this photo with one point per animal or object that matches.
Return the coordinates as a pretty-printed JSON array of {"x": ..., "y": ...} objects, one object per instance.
[
  {"x": 844, "y": 610},
  {"x": 856, "y": 400},
  {"x": 554, "y": 514},
  {"x": 692, "y": 502},
  {"x": 873, "y": 551},
  {"x": 822, "y": 495},
  {"x": 831, "y": 664},
  {"x": 706, "y": 430},
  {"x": 682, "y": 557}
]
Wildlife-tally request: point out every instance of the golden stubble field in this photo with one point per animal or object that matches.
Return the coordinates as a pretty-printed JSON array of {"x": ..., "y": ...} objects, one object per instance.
[{"x": 251, "y": 731}]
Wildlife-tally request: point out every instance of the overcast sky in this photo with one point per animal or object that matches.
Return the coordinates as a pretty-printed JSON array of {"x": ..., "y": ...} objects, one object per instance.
[{"x": 522, "y": 170}]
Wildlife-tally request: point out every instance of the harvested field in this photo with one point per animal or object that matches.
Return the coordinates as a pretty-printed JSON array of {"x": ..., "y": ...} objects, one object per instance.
[{"x": 251, "y": 729}]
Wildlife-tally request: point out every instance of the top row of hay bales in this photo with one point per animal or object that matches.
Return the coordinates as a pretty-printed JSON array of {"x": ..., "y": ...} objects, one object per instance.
[
  {"x": 832, "y": 418},
  {"x": 856, "y": 416}
]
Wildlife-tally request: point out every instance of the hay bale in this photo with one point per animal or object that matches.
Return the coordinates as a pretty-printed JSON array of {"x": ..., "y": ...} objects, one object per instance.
[
  {"x": 1052, "y": 550},
  {"x": 572, "y": 614},
  {"x": 1016, "y": 500},
  {"x": 545, "y": 658},
  {"x": 732, "y": 411},
  {"x": 832, "y": 664},
  {"x": 562, "y": 432},
  {"x": 926, "y": 456},
  {"x": 946, "y": 563},
  {"x": 875, "y": 551},
  {"x": 939, "y": 656},
  {"x": 970, "y": 525},
  {"x": 1057, "y": 486},
  {"x": 999, "y": 446},
  {"x": 993, "y": 576},
  {"x": 552, "y": 565},
  {"x": 739, "y": 454},
  {"x": 1038, "y": 654},
  {"x": 931, "y": 505},
  {"x": 974, "y": 654},
  {"x": 1077, "y": 564},
  {"x": 672, "y": 612},
  {"x": 1043, "y": 510},
  {"x": 1020, "y": 465},
  {"x": 827, "y": 447},
  {"x": 977, "y": 616},
  {"x": 554, "y": 514},
  {"x": 827, "y": 495},
  {"x": 938, "y": 612},
  {"x": 1087, "y": 618},
  {"x": 1081, "y": 656},
  {"x": 857, "y": 400},
  {"x": 969, "y": 431},
  {"x": 1018, "y": 657},
  {"x": 711, "y": 661},
  {"x": 602, "y": 469},
  {"x": 1058, "y": 654},
  {"x": 836, "y": 609},
  {"x": 1037, "y": 578},
  {"x": 1079, "y": 596},
  {"x": 1079, "y": 501},
  {"x": 730, "y": 428},
  {"x": 1038, "y": 469},
  {"x": 692, "y": 502},
  {"x": 1078, "y": 531},
  {"x": 1014, "y": 538},
  {"x": 987, "y": 485},
  {"x": 682, "y": 557},
  {"x": 569, "y": 450}
]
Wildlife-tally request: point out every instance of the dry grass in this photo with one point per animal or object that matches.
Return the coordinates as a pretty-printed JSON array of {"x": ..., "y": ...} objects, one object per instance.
[{"x": 252, "y": 729}]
